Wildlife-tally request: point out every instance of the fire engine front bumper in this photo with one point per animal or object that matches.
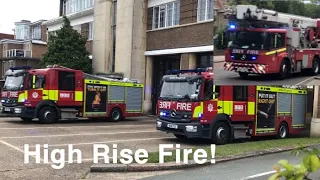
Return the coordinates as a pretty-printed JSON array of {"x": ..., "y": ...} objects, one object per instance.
[
  {"x": 192, "y": 130},
  {"x": 246, "y": 68},
  {"x": 17, "y": 111}
]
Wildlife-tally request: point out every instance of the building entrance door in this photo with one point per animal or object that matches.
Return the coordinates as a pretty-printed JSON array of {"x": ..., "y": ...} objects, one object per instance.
[{"x": 161, "y": 64}]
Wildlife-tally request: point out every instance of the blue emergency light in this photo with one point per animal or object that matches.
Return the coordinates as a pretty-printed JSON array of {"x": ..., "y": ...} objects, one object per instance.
[
  {"x": 232, "y": 26},
  {"x": 20, "y": 68},
  {"x": 180, "y": 71}
]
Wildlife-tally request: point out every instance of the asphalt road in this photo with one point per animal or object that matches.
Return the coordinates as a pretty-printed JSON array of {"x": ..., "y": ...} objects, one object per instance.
[
  {"x": 222, "y": 77},
  {"x": 133, "y": 134},
  {"x": 251, "y": 168}
]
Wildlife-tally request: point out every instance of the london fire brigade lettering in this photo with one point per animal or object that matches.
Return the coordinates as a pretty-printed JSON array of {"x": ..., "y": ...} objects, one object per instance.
[
  {"x": 9, "y": 94},
  {"x": 238, "y": 107},
  {"x": 184, "y": 106},
  {"x": 238, "y": 51},
  {"x": 254, "y": 52},
  {"x": 64, "y": 95},
  {"x": 164, "y": 105}
]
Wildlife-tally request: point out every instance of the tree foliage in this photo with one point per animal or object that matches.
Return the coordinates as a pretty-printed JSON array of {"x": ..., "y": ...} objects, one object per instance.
[
  {"x": 310, "y": 163},
  {"x": 68, "y": 48}
]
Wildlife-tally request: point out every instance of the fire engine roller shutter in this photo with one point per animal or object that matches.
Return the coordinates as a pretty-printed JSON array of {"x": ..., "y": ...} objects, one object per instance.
[
  {"x": 284, "y": 103},
  {"x": 298, "y": 109},
  {"x": 116, "y": 93},
  {"x": 134, "y": 99}
]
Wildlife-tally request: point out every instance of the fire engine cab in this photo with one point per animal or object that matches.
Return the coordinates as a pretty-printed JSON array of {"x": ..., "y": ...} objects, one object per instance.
[
  {"x": 190, "y": 106},
  {"x": 57, "y": 92},
  {"x": 261, "y": 41}
]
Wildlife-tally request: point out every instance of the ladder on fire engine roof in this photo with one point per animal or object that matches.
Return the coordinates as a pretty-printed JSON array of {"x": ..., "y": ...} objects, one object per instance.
[
  {"x": 251, "y": 12},
  {"x": 96, "y": 77}
]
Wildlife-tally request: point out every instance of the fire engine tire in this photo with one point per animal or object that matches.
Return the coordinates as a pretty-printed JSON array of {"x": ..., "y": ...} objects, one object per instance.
[
  {"x": 26, "y": 119},
  {"x": 47, "y": 115},
  {"x": 116, "y": 115},
  {"x": 283, "y": 131},
  {"x": 315, "y": 66},
  {"x": 221, "y": 133},
  {"x": 284, "y": 69}
]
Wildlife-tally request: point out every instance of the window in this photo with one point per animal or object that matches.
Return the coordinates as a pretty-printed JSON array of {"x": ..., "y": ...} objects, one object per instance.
[
  {"x": 39, "y": 82},
  {"x": 74, "y": 6},
  {"x": 208, "y": 90},
  {"x": 90, "y": 37},
  {"x": 36, "y": 32},
  {"x": 66, "y": 81},
  {"x": 276, "y": 40},
  {"x": 205, "y": 60},
  {"x": 216, "y": 92},
  {"x": 205, "y": 10},
  {"x": 77, "y": 28},
  {"x": 166, "y": 15},
  {"x": 240, "y": 93}
]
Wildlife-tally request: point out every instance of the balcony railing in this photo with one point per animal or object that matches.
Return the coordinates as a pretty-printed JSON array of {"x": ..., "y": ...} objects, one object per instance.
[{"x": 17, "y": 53}]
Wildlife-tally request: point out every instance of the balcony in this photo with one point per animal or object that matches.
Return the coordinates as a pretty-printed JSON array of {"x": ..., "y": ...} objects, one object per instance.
[{"x": 16, "y": 53}]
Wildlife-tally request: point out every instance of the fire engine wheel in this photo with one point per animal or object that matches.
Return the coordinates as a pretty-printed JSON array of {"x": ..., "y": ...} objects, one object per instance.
[
  {"x": 220, "y": 133},
  {"x": 47, "y": 115},
  {"x": 116, "y": 115},
  {"x": 283, "y": 131},
  {"x": 315, "y": 66},
  {"x": 284, "y": 70}
]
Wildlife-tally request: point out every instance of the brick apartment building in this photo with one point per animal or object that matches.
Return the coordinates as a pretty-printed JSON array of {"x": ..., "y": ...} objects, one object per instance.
[
  {"x": 143, "y": 38},
  {"x": 25, "y": 47}
]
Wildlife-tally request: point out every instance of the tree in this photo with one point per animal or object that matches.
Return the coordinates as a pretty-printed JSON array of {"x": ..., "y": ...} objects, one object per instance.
[
  {"x": 310, "y": 163},
  {"x": 68, "y": 48}
]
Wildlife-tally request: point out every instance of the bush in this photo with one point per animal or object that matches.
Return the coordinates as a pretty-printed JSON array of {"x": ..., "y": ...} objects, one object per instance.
[{"x": 310, "y": 163}]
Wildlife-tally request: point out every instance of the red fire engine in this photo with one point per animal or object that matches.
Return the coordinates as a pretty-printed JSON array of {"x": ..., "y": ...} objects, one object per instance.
[
  {"x": 191, "y": 106},
  {"x": 56, "y": 92},
  {"x": 261, "y": 41}
]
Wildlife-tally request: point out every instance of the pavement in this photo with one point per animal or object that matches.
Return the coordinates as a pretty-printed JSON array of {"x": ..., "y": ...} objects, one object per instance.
[
  {"x": 254, "y": 168},
  {"x": 134, "y": 133},
  {"x": 222, "y": 77}
]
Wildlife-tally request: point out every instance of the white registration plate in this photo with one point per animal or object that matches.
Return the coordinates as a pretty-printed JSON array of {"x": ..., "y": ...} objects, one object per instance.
[
  {"x": 173, "y": 126},
  {"x": 7, "y": 109}
]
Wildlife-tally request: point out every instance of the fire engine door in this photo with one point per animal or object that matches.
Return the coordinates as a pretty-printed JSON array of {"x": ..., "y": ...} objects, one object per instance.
[
  {"x": 240, "y": 102},
  {"x": 66, "y": 86}
]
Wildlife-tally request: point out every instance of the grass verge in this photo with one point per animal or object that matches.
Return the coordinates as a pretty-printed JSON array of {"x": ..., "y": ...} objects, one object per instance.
[{"x": 240, "y": 148}]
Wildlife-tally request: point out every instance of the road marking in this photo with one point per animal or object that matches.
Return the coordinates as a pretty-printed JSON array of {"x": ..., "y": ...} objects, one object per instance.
[
  {"x": 17, "y": 148},
  {"x": 308, "y": 79},
  {"x": 69, "y": 127},
  {"x": 260, "y": 174},
  {"x": 84, "y": 134},
  {"x": 104, "y": 142}
]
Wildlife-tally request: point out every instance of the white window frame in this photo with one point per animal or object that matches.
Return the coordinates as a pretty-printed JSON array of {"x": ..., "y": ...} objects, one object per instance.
[
  {"x": 173, "y": 13},
  {"x": 91, "y": 30},
  {"x": 206, "y": 14},
  {"x": 36, "y": 32},
  {"x": 75, "y": 6}
]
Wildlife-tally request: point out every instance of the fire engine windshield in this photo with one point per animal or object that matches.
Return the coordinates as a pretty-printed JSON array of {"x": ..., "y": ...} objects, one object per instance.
[
  {"x": 179, "y": 90},
  {"x": 246, "y": 40},
  {"x": 13, "y": 83}
]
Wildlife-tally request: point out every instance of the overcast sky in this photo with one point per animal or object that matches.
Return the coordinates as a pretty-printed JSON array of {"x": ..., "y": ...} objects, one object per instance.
[{"x": 15, "y": 10}]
